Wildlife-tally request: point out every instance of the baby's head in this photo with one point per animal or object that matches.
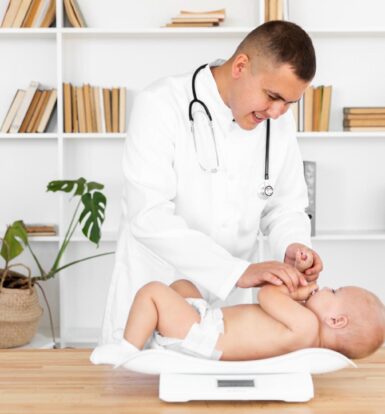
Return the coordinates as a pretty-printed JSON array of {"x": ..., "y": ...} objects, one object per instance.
[{"x": 352, "y": 320}]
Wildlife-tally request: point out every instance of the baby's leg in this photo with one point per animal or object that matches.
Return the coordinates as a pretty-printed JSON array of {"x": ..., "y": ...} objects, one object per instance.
[
  {"x": 186, "y": 289},
  {"x": 157, "y": 306}
]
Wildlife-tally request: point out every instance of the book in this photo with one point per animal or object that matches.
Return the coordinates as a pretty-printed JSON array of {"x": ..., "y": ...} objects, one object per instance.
[
  {"x": 93, "y": 109},
  {"x": 220, "y": 14},
  {"x": 364, "y": 110},
  {"x": 115, "y": 109},
  {"x": 325, "y": 108},
  {"x": 102, "y": 112},
  {"x": 22, "y": 111},
  {"x": 364, "y": 129},
  {"x": 75, "y": 121},
  {"x": 308, "y": 109},
  {"x": 48, "y": 111},
  {"x": 21, "y": 13},
  {"x": 42, "y": 109},
  {"x": 317, "y": 103},
  {"x": 31, "y": 111},
  {"x": 107, "y": 109},
  {"x": 87, "y": 107},
  {"x": 74, "y": 14},
  {"x": 16, "y": 102},
  {"x": 67, "y": 93},
  {"x": 122, "y": 109},
  {"x": 364, "y": 116},
  {"x": 81, "y": 109},
  {"x": 32, "y": 14},
  {"x": 364, "y": 122},
  {"x": 41, "y": 229},
  {"x": 49, "y": 16},
  {"x": 70, "y": 13},
  {"x": 36, "y": 114},
  {"x": 11, "y": 12},
  {"x": 310, "y": 170},
  {"x": 98, "y": 109},
  {"x": 191, "y": 24}
]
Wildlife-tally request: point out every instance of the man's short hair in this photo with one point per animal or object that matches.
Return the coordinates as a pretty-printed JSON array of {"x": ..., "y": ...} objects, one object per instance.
[{"x": 283, "y": 42}]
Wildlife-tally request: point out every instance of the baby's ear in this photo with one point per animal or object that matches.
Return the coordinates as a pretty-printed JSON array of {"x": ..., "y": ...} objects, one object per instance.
[{"x": 337, "y": 322}]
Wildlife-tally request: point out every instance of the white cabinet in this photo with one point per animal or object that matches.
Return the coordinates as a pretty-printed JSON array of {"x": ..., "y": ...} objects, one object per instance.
[{"x": 125, "y": 45}]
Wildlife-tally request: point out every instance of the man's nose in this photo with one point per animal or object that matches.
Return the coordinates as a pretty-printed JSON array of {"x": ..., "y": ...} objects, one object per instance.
[{"x": 276, "y": 109}]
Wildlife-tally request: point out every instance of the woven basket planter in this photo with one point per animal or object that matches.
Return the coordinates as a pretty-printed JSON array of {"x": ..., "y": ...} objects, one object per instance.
[{"x": 20, "y": 313}]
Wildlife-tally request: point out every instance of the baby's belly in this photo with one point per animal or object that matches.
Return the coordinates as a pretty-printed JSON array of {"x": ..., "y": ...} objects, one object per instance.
[{"x": 251, "y": 334}]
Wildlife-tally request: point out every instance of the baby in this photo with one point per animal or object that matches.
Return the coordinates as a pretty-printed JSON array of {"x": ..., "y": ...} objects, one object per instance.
[{"x": 349, "y": 320}]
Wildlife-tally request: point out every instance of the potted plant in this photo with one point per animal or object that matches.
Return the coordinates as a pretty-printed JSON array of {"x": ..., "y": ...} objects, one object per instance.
[{"x": 20, "y": 310}]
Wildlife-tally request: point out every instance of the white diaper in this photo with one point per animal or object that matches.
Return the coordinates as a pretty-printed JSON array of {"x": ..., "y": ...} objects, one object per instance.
[{"x": 201, "y": 338}]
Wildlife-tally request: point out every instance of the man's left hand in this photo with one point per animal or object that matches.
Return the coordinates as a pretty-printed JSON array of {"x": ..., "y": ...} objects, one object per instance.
[{"x": 313, "y": 272}]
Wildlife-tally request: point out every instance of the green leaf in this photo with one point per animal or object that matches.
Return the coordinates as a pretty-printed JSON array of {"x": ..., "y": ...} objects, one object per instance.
[
  {"x": 68, "y": 185},
  {"x": 92, "y": 216},
  {"x": 14, "y": 238},
  {"x": 92, "y": 185}
]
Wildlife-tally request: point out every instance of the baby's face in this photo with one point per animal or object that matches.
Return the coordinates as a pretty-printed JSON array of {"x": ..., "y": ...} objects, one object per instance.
[{"x": 325, "y": 301}]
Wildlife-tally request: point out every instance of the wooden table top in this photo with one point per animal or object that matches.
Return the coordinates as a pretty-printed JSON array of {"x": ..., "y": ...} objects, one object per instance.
[{"x": 64, "y": 381}]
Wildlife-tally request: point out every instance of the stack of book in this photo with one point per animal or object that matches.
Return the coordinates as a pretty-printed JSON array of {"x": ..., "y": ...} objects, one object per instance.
[
  {"x": 29, "y": 13},
  {"x": 41, "y": 229},
  {"x": 364, "y": 118},
  {"x": 274, "y": 10},
  {"x": 30, "y": 110},
  {"x": 94, "y": 109},
  {"x": 74, "y": 14},
  {"x": 187, "y": 18},
  {"x": 312, "y": 112}
]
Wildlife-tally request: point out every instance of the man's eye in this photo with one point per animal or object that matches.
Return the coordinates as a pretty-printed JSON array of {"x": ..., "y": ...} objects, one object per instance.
[{"x": 333, "y": 290}]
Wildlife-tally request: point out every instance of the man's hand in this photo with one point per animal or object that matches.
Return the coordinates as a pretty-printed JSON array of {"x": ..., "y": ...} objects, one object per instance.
[
  {"x": 312, "y": 273},
  {"x": 276, "y": 273}
]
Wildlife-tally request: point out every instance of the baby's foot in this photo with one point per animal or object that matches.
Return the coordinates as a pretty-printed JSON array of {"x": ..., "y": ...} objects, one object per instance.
[{"x": 113, "y": 354}]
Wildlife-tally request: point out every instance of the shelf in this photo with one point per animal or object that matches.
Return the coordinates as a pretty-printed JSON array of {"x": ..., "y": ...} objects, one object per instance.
[
  {"x": 170, "y": 32},
  {"x": 29, "y": 136},
  {"x": 29, "y": 32},
  {"x": 341, "y": 134},
  {"x": 148, "y": 32},
  {"x": 364, "y": 31},
  {"x": 81, "y": 136},
  {"x": 350, "y": 235}
]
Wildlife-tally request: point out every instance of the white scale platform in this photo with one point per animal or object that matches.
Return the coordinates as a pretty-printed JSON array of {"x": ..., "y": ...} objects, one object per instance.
[{"x": 285, "y": 378}]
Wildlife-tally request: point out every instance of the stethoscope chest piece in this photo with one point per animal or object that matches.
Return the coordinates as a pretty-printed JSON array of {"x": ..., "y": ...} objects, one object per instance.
[{"x": 266, "y": 191}]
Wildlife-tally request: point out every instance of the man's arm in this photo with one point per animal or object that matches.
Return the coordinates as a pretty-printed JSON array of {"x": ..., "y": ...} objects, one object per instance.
[
  {"x": 277, "y": 302},
  {"x": 283, "y": 219}
]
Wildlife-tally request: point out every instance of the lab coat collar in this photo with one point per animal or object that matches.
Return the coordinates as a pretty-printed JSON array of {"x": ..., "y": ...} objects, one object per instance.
[{"x": 209, "y": 94}]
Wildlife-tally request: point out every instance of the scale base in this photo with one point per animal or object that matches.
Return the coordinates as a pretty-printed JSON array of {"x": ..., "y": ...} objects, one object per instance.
[{"x": 290, "y": 387}]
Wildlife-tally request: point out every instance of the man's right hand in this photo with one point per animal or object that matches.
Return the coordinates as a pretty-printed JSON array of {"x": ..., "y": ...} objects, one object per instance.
[{"x": 273, "y": 272}]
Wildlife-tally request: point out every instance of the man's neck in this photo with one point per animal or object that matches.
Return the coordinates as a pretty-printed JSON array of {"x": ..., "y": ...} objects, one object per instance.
[{"x": 221, "y": 75}]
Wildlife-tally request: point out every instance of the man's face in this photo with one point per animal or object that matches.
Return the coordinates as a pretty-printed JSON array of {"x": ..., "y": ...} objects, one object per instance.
[{"x": 265, "y": 91}]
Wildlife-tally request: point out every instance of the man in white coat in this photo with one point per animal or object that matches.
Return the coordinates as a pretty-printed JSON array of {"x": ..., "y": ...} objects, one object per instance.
[{"x": 181, "y": 220}]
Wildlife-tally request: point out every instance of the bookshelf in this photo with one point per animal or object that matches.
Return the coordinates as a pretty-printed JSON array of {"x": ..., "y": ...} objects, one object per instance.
[{"x": 350, "y": 168}]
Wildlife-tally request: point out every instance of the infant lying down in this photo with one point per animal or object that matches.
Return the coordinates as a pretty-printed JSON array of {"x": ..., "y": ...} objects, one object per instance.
[{"x": 349, "y": 320}]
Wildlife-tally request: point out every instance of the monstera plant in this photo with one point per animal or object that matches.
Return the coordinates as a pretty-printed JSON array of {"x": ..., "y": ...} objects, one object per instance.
[{"x": 89, "y": 213}]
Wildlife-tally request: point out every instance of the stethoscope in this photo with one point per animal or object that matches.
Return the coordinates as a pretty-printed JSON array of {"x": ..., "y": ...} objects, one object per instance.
[{"x": 266, "y": 189}]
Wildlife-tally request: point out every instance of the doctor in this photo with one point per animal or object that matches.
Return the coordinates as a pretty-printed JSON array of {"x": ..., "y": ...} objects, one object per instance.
[{"x": 197, "y": 193}]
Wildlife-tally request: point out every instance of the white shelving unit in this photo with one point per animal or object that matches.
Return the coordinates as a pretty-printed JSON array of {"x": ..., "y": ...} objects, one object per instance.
[{"x": 126, "y": 48}]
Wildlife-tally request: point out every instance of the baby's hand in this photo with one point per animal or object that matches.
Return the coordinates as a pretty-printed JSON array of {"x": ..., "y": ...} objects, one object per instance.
[
  {"x": 303, "y": 292},
  {"x": 303, "y": 260}
]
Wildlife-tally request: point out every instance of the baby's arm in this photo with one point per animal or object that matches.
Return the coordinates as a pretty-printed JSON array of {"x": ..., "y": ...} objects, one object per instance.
[
  {"x": 277, "y": 302},
  {"x": 158, "y": 306}
]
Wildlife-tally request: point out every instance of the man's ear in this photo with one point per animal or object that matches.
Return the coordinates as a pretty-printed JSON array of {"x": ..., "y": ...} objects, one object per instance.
[
  {"x": 240, "y": 64},
  {"x": 337, "y": 322}
]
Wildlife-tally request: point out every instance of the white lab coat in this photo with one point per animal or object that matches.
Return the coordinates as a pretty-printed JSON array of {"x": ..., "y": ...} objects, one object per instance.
[{"x": 181, "y": 222}]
